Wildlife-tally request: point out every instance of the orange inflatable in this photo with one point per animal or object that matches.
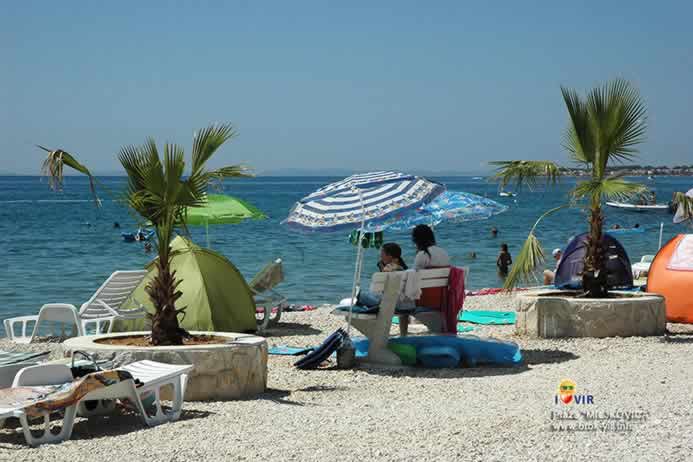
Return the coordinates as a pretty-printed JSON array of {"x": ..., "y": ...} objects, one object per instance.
[{"x": 675, "y": 285}]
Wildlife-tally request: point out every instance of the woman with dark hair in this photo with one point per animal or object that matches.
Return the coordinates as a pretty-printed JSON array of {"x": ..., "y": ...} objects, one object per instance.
[
  {"x": 428, "y": 254},
  {"x": 391, "y": 258}
]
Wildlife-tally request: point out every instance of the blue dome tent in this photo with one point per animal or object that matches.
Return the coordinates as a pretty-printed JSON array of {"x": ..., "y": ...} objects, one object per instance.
[{"x": 569, "y": 273}]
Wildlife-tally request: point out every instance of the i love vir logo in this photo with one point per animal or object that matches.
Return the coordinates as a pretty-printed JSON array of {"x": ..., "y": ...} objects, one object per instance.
[{"x": 566, "y": 394}]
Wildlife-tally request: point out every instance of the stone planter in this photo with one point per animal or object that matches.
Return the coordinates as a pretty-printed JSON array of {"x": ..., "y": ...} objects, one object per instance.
[
  {"x": 233, "y": 370},
  {"x": 554, "y": 314}
]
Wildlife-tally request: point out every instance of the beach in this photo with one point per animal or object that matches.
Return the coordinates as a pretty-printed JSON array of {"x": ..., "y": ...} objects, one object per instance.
[{"x": 640, "y": 387}]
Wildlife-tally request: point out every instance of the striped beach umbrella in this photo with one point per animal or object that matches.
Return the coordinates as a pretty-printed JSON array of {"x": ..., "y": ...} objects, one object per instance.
[{"x": 368, "y": 198}]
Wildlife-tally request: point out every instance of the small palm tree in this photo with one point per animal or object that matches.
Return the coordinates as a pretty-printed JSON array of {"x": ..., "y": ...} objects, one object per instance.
[
  {"x": 605, "y": 127},
  {"x": 160, "y": 194}
]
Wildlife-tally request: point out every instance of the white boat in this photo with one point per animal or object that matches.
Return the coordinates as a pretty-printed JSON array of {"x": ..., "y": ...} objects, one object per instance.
[
  {"x": 639, "y": 208},
  {"x": 506, "y": 194}
]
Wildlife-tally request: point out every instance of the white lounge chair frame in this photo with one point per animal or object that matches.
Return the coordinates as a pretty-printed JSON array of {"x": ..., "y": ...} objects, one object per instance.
[
  {"x": 101, "y": 310},
  {"x": 643, "y": 266},
  {"x": 153, "y": 375}
]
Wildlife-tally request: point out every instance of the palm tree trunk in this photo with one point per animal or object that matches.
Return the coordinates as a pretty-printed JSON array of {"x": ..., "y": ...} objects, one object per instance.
[
  {"x": 594, "y": 273},
  {"x": 164, "y": 294}
]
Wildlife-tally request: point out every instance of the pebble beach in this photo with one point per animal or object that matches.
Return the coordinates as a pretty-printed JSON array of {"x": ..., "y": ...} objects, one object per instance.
[{"x": 640, "y": 388}]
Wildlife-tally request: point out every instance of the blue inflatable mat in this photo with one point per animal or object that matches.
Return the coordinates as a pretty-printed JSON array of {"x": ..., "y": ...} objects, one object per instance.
[
  {"x": 472, "y": 350},
  {"x": 438, "y": 357}
]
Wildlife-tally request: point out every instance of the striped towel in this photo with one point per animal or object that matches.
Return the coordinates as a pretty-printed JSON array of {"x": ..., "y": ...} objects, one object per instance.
[{"x": 8, "y": 357}]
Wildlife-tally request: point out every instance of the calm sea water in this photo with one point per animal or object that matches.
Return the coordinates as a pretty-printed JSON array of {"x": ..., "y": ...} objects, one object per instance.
[{"x": 50, "y": 254}]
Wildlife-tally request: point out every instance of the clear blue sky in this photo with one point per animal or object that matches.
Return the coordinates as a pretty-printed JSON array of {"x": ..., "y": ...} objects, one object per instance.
[{"x": 433, "y": 85}]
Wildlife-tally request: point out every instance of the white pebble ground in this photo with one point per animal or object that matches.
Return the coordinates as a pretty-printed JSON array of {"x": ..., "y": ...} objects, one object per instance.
[{"x": 498, "y": 414}]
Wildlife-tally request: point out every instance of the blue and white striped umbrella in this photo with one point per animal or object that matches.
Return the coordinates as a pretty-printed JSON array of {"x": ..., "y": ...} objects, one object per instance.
[{"x": 368, "y": 198}]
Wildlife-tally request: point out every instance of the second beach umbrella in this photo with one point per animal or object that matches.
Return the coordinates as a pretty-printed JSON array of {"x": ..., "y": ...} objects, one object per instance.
[{"x": 220, "y": 210}]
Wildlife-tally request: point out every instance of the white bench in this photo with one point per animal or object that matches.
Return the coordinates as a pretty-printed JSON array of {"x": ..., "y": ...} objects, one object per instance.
[{"x": 376, "y": 326}]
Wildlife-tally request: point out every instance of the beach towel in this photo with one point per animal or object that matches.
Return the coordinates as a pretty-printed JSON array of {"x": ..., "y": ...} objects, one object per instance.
[
  {"x": 488, "y": 317},
  {"x": 412, "y": 288},
  {"x": 453, "y": 301},
  {"x": 289, "y": 351},
  {"x": 37, "y": 400},
  {"x": 493, "y": 291}
]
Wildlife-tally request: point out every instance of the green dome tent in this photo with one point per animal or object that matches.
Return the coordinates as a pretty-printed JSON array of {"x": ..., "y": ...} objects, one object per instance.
[{"x": 214, "y": 291}]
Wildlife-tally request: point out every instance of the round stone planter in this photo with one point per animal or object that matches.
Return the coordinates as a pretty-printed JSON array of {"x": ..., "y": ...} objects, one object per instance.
[
  {"x": 233, "y": 370},
  {"x": 554, "y": 314}
]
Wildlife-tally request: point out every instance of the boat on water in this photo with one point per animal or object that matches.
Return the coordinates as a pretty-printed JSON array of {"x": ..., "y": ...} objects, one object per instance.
[
  {"x": 640, "y": 229},
  {"x": 507, "y": 194},
  {"x": 639, "y": 207}
]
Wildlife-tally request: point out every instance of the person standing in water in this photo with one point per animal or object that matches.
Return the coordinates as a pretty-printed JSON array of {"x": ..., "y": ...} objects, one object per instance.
[{"x": 504, "y": 261}]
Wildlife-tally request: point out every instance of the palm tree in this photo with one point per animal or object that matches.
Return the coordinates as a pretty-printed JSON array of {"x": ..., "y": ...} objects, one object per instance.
[
  {"x": 160, "y": 193},
  {"x": 605, "y": 127}
]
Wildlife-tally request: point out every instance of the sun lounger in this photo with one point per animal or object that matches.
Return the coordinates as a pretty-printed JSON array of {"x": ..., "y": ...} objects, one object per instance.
[
  {"x": 262, "y": 286},
  {"x": 39, "y": 391},
  {"x": 13, "y": 362},
  {"x": 100, "y": 310}
]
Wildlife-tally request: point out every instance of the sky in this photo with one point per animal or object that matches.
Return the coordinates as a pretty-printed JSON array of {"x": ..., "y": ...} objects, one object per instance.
[{"x": 444, "y": 86}]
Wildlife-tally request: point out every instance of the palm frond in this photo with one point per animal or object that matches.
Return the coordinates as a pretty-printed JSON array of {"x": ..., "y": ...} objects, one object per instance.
[
  {"x": 578, "y": 139},
  {"x": 207, "y": 141},
  {"x": 526, "y": 172},
  {"x": 530, "y": 258},
  {"x": 619, "y": 114},
  {"x": 610, "y": 188},
  {"x": 53, "y": 168}
]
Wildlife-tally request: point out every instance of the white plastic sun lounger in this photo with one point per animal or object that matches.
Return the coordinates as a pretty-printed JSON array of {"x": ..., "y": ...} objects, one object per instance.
[
  {"x": 101, "y": 310},
  {"x": 151, "y": 374}
]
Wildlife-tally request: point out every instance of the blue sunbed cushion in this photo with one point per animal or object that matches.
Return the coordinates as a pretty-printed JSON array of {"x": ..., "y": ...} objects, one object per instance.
[{"x": 320, "y": 354}]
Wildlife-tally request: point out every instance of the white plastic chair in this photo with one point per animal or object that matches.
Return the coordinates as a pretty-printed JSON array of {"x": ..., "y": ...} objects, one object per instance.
[
  {"x": 101, "y": 310},
  {"x": 153, "y": 376}
]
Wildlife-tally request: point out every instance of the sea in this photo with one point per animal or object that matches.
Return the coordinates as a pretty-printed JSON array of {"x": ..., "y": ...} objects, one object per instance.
[{"x": 59, "y": 247}]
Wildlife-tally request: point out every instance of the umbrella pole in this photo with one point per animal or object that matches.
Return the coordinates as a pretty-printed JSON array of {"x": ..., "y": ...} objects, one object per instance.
[
  {"x": 359, "y": 264},
  {"x": 207, "y": 232}
]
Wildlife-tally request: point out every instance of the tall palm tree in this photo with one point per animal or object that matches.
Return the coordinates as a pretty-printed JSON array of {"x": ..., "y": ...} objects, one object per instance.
[
  {"x": 160, "y": 193},
  {"x": 605, "y": 127}
]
